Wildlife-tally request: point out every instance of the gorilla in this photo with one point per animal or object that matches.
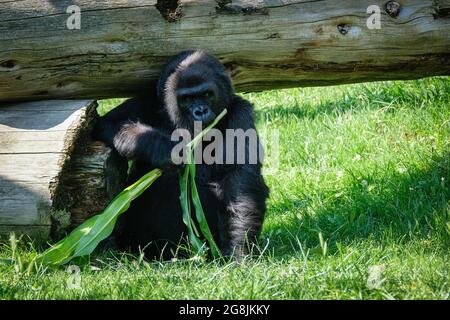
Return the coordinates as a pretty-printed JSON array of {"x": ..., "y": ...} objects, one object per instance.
[{"x": 193, "y": 86}]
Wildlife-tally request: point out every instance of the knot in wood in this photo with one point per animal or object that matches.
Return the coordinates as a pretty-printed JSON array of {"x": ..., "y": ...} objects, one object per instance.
[
  {"x": 8, "y": 64},
  {"x": 393, "y": 8},
  {"x": 343, "y": 28}
]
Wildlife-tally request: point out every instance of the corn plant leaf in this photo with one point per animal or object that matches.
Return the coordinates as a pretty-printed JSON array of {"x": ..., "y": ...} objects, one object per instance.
[
  {"x": 200, "y": 215},
  {"x": 196, "y": 244},
  {"x": 189, "y": 176},
  {"x": 83, "y": 240}
]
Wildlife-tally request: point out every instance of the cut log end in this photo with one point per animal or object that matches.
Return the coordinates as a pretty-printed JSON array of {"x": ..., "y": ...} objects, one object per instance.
[
  {"x": 52, "y": 175},
  {"x": 90, "y": 181}
]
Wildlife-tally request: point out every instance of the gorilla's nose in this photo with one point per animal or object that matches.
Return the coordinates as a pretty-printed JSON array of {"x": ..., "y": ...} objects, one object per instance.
[{"x": 201, "y": 113}]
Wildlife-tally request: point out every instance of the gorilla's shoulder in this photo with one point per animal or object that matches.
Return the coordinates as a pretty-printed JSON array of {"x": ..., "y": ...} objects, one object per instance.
[{"x": 240, "y": 104}]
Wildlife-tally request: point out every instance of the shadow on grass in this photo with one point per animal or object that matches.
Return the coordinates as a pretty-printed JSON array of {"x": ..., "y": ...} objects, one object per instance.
[
  {"x": 398, "y": 208},
  {"x": 371, "y": 96},
  {"x": 309, "y": 111}
]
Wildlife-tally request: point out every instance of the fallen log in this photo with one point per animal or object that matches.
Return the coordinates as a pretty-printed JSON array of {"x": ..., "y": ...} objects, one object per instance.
[
  {"x": 120, "y": 45},
  {"x": 52, "y": 175}
]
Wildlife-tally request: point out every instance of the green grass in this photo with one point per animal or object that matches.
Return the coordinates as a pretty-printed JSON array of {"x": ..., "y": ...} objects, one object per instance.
[{"x": 365, "y": 168}]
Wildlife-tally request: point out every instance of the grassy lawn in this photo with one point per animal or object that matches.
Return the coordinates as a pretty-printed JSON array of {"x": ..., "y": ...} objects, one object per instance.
[{"x": 359, "y": 208}]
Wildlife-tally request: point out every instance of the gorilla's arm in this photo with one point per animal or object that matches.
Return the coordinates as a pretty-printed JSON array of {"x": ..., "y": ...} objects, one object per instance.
[
  {"x": 127, "y": 129},
  {"x": 138, "y": 141},
  {"x": 109, "y": 125},
  {"x": 245, "y": 195},
  {"x": 243, "y": 190}
]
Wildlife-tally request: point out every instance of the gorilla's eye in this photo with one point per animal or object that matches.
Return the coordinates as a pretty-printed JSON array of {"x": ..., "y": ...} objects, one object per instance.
[
  {"x": 208, "y": 94},
  {"x": 186, "y": 99}
]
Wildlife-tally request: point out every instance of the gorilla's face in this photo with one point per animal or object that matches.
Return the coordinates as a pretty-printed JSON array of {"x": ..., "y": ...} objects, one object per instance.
[
  {"x": 195, "y": 87},
  {"x": 198, "y": 100}
]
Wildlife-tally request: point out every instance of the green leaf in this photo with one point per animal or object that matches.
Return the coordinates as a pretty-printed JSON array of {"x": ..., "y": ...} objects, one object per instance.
[
  {"x": 196, "y": 243},
  {"x": 189, "y": 176},
  {"x": 84, "y": 239},
  {"x": 200, "y": 215}
]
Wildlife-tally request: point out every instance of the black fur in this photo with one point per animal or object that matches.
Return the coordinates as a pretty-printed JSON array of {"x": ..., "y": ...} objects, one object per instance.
[{"x": 233, "y": 196}]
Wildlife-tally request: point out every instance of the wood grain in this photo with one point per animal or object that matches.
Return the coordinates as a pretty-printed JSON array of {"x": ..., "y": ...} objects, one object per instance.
[
  {"x": 265, "y": 44},
  {"x": 52, "y": 175}
]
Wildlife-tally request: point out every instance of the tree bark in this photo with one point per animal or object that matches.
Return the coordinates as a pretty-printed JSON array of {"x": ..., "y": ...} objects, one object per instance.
[
  {"x": 52, "y": 175},
  {"x": 268, "y": 44}
]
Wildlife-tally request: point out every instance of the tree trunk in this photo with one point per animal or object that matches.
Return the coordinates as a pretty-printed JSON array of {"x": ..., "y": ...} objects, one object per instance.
[
  {"x": 268, "y": 44},
  {"x": 52, "y": 175}
]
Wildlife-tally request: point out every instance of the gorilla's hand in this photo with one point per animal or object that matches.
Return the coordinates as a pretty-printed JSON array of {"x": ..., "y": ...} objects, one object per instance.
[{"x": 143, "y": 143}]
